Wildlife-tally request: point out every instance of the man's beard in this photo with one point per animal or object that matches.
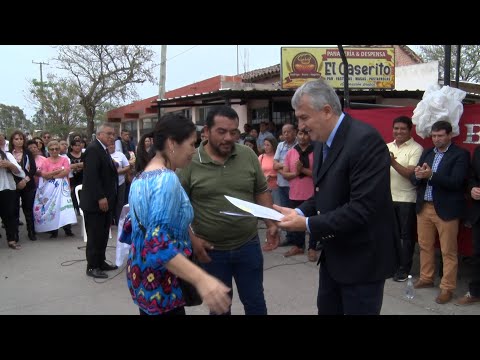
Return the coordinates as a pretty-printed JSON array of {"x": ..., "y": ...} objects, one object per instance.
[{"x": 218, "y": 150}]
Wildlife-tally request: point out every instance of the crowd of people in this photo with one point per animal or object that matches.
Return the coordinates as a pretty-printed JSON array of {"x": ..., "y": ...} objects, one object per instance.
[{"x": 331, "y": 178}]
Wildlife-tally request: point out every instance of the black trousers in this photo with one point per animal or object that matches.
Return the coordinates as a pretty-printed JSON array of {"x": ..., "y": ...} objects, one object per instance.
[
  {"x": 474, "y": 284},
  {"x": 97, "y": 225},
  {"x": 7, "y": 213},
  {"x": 348, "y": 299},
  {"x": 406, "y": 220},
  {"x": 27, "y": 196}
]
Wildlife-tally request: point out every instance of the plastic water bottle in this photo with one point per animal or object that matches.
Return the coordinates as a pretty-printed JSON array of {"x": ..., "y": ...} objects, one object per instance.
[{"x": 409, "y": 290}]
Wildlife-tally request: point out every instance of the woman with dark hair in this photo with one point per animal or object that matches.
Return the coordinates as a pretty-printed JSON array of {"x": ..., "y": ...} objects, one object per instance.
[
  {"x": 76, "y": 168},
  {"x": 8, "y": 167},
  {"x": 73, "y": 137},
  {"x": 41, "y": 146},
  {"x": 142, "y": 157},
  {"x": 26, "y": 187},
  {"x": 161, "y": 213},
  {"x": 147, "y": 143},
  {"x": 32, "y": 146}
]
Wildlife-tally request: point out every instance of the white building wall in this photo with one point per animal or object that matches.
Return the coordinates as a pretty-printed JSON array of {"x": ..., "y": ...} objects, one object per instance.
[
  {"x": 242, "y": 115},
  {"x": 416, "y": 77}
]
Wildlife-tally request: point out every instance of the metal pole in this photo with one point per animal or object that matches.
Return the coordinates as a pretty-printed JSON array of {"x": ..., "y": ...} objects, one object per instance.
[
  {"x": 237, "y": 62},
  {"x": 163, "y": 69},
  {"x": 448, "y": 61},
  {"x": 41, "y": 92},
  {"x": 346, "y": 95},
  {"x": 457, "y": 66}
]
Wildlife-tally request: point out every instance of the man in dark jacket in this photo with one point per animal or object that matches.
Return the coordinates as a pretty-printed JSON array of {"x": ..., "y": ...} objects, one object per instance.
[
  {"x": 98, "y": 199},
  {"x": 440, "y": 177},
  {"x": 473, "y": 294},
  {"x": 351, "y": 211}
]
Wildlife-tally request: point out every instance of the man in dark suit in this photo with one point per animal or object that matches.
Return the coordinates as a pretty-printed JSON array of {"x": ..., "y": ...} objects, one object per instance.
[
  {"x": 473, "y": 294},
  {"x": 440, "y": 177},
  {"x": 98, "y": 199},
  {"x": 351, "y": 211}
]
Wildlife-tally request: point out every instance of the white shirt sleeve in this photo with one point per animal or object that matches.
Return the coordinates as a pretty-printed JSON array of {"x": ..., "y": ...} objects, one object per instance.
[
  {"x": 118, "y": 146},
  {"x": 124, "y": 160},
  {"x": 10, "y": 158}
]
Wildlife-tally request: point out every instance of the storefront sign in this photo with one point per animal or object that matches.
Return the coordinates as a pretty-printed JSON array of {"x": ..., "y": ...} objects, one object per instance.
[{"x": 368, "y": 68}]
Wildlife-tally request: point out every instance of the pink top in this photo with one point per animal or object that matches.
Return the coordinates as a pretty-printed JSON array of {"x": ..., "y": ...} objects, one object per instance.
[
  {"x": 266, "y": 163},
  {"x": 48, "y": 165},
  {"x": 300, "y": 189}
]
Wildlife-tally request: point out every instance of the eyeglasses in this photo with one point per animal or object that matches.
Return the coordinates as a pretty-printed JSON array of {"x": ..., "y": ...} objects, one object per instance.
[
  {"x": 109, "y": 133},
  {"x": 53, "y": 149}
]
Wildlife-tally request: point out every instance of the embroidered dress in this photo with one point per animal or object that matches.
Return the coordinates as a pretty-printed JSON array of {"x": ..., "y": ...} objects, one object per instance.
[
  {"x": 163, "y": 208},
  {"x": 53, "y": 207}
]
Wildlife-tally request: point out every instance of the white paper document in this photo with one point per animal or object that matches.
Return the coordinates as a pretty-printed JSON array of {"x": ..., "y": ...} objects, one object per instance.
[{"x": 254, "y": 209}]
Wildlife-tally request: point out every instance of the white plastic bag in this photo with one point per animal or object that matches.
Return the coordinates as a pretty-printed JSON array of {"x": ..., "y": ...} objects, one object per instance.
[
  {"x": 438, "y": 104},
  {"x": 122, "y": 249}
]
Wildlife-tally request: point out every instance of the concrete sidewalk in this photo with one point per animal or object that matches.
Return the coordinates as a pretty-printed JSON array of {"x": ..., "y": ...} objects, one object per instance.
[{"x": 47, "y": 276}]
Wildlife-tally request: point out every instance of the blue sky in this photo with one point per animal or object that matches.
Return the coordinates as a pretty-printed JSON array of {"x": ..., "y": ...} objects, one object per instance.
[{"x": 185, "y": 64}]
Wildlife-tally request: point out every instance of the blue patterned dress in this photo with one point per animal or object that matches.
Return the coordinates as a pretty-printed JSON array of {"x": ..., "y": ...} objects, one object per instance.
[{"x": 163, "y": 208}]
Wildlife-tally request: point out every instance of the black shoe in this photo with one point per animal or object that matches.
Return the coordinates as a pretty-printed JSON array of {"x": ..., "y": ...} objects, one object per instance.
[
  {"x": 400, "y": 276},
  {"x": 108, "y": 267},
  {"x": 69, "y": 233},
  {"x": 32, "y": 236},
  {"x": 53, "y": 234},
  {"x": 97, "y": 273}
]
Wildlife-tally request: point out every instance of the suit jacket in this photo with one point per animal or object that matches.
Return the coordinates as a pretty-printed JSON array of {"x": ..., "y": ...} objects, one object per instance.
[
  {"x": 100, "y": 178},
  {"x": 474, "y": 181},
  {"x": 351, "y": 211},
  {"x": 449, "y": 182}
]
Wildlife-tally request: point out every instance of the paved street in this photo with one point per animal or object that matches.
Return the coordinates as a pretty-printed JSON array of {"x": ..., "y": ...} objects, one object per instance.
[{"x": 48, "y": 277}]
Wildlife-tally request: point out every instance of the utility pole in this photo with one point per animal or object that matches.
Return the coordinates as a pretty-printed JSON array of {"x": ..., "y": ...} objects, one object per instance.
[
  {"x": 41, "y": 91},
  {"x": 163, "y": 76}
]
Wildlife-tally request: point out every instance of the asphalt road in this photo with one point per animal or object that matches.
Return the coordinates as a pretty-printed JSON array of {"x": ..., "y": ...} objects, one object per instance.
[{"x": 47, "y": 276}]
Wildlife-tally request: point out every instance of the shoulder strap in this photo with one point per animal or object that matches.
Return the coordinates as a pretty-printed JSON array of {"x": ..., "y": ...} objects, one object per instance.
[{"x": 139, "y": 223}]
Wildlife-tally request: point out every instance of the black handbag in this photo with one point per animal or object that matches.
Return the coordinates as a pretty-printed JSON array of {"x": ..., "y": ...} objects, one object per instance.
[{"x": 189, "y": 292}]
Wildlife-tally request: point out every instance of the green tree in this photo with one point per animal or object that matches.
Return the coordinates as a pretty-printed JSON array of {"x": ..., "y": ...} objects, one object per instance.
[
  {"x": 469, "y": 60},
  {"x": 11, "y": 118},
  {"x": 61, "y": 105},
  {"x": 103, "y": 73}
]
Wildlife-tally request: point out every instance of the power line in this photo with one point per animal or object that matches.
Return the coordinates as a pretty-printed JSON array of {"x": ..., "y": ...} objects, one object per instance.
[{"x": 183, "y": 52}]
